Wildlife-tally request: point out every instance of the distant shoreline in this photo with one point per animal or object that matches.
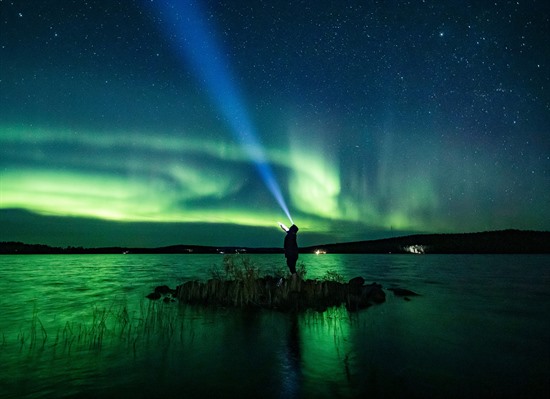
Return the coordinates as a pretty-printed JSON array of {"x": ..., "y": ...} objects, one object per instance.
[{"x": 491, "y": 242}]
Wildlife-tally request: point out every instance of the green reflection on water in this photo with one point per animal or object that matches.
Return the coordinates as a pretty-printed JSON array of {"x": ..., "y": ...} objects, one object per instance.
[
  {"x": 181, "y": 348},
  {"x": 327, "y": 352}
]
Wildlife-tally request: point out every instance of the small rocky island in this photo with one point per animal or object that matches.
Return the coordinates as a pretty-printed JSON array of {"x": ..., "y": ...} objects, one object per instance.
[{"x": 287, "y": 295}]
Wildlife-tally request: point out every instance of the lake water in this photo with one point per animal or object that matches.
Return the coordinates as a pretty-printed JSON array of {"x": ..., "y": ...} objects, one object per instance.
[{"x": 79, "y": 326}]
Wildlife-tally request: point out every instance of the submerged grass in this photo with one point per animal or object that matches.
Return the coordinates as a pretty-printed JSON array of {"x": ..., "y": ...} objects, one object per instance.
[
  {"x": 153, "y": 322},
  {"x": 332, "y": 275},
  {"x": 240, "y": 267}
]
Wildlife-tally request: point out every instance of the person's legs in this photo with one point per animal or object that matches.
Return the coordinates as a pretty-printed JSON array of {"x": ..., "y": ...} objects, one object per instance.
[{"x": 291, "y": 263}]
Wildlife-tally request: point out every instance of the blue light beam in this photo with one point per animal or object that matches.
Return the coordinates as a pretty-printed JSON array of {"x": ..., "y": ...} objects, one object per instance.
[{"x": 189, "y": 31}]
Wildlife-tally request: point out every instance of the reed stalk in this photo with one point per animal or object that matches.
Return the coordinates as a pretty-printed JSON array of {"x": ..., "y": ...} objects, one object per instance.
[{"x": 107, "y": 327}]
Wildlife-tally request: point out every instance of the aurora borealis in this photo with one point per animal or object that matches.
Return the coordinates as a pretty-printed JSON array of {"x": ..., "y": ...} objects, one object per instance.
[{"x": 376, "y": 118}]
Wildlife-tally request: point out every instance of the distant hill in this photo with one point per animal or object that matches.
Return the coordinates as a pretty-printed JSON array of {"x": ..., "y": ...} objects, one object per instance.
[{"x": 492, "y": 242}]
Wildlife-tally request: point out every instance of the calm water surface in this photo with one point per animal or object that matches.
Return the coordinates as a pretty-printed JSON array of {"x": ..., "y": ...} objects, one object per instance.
[{"x": 79, "y": 326}]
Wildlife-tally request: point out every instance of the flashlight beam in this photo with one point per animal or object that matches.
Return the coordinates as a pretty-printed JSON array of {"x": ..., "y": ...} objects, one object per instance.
[{"x": 193, "y": 38}]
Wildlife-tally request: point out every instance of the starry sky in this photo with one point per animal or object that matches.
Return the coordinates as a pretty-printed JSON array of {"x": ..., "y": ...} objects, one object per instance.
[{"x": 140, "y": 123}]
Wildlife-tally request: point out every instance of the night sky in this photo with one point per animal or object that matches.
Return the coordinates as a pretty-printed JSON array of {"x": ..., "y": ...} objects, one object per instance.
[{"x": 139, "y": 123}]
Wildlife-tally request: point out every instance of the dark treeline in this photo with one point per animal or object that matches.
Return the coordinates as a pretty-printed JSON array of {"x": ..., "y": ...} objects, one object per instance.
[
  {"x": 493, "y": 242},
  {"x": 14, "y": 248}
]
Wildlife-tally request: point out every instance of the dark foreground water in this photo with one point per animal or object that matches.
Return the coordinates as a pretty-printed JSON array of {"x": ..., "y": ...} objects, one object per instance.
[{"x": 79, "y": 326}]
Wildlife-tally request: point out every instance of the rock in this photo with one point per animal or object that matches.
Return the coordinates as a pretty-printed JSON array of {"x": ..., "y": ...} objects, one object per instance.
[
  {"x": 355, "y": 285},
  {"x": 153, "y": 296},
  {"x": 164, "y": 289},
  {"x": 356, "y": 281},
  {"x": 375, "y": 293},
  {"x": 270, "y": 292},
  {"x": 403, "y": 292}
]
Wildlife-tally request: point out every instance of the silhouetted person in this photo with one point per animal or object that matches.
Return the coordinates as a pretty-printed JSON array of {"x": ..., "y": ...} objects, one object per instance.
[{"x": 291, "y": 248}]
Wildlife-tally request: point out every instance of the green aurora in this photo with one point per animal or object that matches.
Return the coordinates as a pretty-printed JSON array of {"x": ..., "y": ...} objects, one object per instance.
[{"x": 106, "y": 138}]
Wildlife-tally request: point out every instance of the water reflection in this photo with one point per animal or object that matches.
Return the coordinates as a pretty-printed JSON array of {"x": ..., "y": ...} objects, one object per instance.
[
  {"x": 484, "y": 311},
  {"x": 327, "y": 353},
  {"x": 291, "y": 360}
]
